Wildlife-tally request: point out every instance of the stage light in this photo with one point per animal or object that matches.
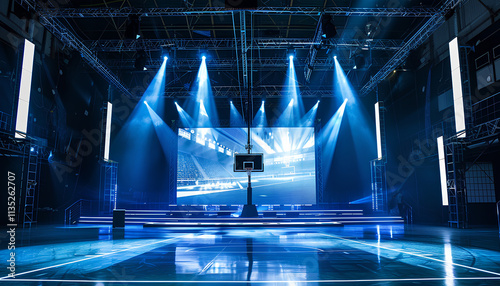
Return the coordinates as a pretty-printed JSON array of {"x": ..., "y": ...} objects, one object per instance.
[
  {"x": 328, "y": 27},
  {"x": 291, "y": 53},
  {"x": 203, "y": 57},
  {"x": 132, "y": 27},
  {"x": 166, "y": 51},
  {"x": 140, "y": 60},
  {"x": 25, "y": 90},
  {"x": 335, "y": 57},
  {"x": 359, "y": 61},
  {"x": 456, "y": 82},
  {"x": 442, "y": 170},
  {"x": 51, "y": 158}
]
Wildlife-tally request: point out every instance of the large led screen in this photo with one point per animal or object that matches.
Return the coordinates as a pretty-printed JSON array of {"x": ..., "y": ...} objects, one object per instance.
[{"x": 205, "y": 166}]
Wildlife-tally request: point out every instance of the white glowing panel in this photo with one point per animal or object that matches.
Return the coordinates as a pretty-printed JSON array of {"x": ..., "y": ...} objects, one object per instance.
[
  {"x": 377, "y": 128},
  {"x": 442, "y": 170},
  {"x": 25, "y": 90},
  {"x": 109, "y": 113},
  {"x": 456, "y": 80}
]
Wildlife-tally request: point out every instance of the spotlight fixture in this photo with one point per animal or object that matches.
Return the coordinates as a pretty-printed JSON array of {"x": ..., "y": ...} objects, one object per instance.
[
  {"x": 166, "y": 52},
  {"x": 140, "y": 60},
  {"x": 359, "y": 60},
  {"x": 291, "y": 53},
  {"x": 203, "y": 57},
  {"x": 132, "y": 27},
  {"x": 329, "y": 29}
]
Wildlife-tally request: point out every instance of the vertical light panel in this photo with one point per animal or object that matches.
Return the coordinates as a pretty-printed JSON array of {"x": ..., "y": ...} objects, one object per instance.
[
  {"x": 377, "y": 130},
  {"x": 442, "y": 170},
  {"x": 25, "y": 90},
  {"x": 456, "y": 81},
  {"x": 109, "y": 112}
]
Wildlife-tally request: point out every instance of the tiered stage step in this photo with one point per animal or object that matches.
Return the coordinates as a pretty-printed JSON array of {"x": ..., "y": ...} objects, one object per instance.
[{"x": 228, "y": 216}]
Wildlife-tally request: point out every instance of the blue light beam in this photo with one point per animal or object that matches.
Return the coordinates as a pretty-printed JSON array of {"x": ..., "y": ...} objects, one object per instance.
[
  {"x": 329, "y": 135},
  {"x": 235, "y": 118}
]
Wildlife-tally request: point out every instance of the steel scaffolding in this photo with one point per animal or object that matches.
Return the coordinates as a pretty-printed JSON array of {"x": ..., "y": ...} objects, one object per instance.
[
  {"x": 319, "y": 167},
  {"x": 455, "y": 175},
  {"x": 108, "y": 186},
  {"x": 30, "y": 153},
  {"x": 268, "y": 91},
  {"x": 54, "y": 26},
  {"x": 52, "y": 12},
  {"x": 379, "y": 185},
  {"x": 30, "y": 167},
  {"x": 378, "y": 168},
  {"x": 117, "y": 45},
  {"x": 415, "y": 41}
]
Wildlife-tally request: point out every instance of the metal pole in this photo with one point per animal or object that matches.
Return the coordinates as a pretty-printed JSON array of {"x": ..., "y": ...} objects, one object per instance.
[{"x": 249, "y": 190}]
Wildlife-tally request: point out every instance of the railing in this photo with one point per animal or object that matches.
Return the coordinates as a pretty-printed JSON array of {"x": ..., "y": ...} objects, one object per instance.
[{"x": 74, "y": 211}]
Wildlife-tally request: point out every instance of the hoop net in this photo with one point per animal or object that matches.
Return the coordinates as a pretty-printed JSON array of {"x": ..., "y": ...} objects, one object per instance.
[{"x": 249, "y": 170}]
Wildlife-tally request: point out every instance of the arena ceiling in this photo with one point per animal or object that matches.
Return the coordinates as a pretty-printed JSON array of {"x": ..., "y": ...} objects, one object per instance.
[{"x": 248, "y": 46}]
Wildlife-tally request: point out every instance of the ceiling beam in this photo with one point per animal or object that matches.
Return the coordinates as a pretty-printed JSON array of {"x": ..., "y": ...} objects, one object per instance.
[
  {"x": 54, "y": 26},
  {"x": 414, "y": 42},
  {"x": 229, "y": 44},
  {"x": 208, "y": 11}
]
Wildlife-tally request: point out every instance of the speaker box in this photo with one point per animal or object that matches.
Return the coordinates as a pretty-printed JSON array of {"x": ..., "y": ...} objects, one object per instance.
[{"x": 118, "y": 218}]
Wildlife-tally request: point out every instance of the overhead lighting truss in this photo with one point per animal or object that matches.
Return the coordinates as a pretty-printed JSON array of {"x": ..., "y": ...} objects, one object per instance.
[
  {"x": 210, "y": 11},
  {"x": 55, "y": 27},
  {"x": 415, "y": 41}
]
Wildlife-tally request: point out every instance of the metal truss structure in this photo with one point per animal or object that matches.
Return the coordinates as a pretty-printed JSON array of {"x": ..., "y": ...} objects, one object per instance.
[
  {"x": 49, "y": 15},
  {"x": 52, "y": 12},
  {"x": 54, "y": 26},
  {"x": 415, "y": 41},
  {"x": 261, "y": 91},
  {"x": 311, "y": 57},
  {"x": 148, "y": 45},
  {"x": 272, "y": 64}
]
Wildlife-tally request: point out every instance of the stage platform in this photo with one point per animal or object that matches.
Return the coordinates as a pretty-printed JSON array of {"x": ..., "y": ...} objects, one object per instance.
[{"x": 228, "y": 216}]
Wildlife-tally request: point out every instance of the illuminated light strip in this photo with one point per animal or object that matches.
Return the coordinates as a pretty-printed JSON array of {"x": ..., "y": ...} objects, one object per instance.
[
  {"x": 25, "y": 90},
  {"x": 415, "y": 254},
  {"x": 456, "y": 81},
  {"x": 442, "y": 171},
  {"x": 88, "y": 258},
  {"x": 256, "y": 281},
  {"x": 242, "y": 223},
  {"x": 109, "y": 113},
  {"x": 377, "y": 128},
  {"x": 257, "y": 205},
  {"x": 262, "y": 218},
  {"x": 372, "y": 221}
]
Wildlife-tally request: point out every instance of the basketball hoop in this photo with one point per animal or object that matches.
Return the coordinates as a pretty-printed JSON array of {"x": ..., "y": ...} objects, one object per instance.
[{"x": 249, "y": 171}]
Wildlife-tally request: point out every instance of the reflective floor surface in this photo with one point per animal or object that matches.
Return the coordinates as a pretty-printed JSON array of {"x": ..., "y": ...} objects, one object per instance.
[{"x": 349, "y": 255}]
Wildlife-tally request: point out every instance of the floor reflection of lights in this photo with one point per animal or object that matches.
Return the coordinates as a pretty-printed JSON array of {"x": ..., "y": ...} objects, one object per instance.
[{"x": 368, "y": 254}]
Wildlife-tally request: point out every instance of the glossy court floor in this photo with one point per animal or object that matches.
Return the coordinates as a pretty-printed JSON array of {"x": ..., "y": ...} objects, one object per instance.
[{"x": 348, "y": 255}]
